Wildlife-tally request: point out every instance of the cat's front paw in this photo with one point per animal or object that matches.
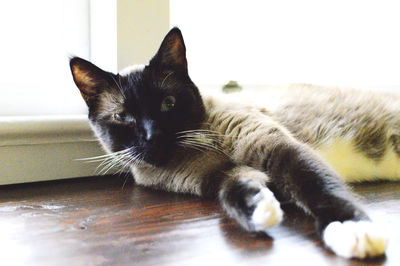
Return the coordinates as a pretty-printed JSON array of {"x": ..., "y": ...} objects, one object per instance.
[
  {"x": 355, "y": 239},
  {"x": 267, "y": 211}
]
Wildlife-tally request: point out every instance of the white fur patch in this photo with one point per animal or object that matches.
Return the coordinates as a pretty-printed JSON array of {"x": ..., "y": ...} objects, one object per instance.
[
  {"x": 355, "y": 239},
  {"x": 268, "y": 211}
]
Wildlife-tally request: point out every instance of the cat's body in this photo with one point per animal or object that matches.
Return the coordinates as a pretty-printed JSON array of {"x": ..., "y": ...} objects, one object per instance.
[
  {"x": 154, "y": 122},
  {"x": 356, "y": 132},
  {"x": 324, "y": 118}
]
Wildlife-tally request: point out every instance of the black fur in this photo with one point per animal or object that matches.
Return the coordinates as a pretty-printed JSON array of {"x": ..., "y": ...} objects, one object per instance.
[
  {"x": 212, "y": 183},
  {"x": 299, "y": 176},
  {"x": 143, "y": 93},
  {"x": 236, "y": 196}
]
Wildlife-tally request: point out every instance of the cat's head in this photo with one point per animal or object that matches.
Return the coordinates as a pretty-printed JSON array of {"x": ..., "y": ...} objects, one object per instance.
[{"x": 142, "y": 111}]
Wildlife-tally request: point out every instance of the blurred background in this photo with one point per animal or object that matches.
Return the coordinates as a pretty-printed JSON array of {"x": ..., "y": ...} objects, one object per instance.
[{"x": 257, "y": 43}]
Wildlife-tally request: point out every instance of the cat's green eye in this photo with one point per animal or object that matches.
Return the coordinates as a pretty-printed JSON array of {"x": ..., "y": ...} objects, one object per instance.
[
  {"x": 168, "y": 104},
  {"x": 124, "y": 118}
]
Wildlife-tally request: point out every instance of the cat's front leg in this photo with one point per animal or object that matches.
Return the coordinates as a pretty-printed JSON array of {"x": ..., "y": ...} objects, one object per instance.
[
  {"x": 301, "y": 176},
  {"x": 245, "y": 197},
  {"x": 359, "y": 239}
]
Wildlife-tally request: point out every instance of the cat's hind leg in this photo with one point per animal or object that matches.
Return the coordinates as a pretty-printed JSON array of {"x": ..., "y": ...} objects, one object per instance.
[{"x": 245, "y": 197}]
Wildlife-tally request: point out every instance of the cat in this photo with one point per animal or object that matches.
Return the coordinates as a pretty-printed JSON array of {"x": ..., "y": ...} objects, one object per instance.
[{"x": 154, "y": 122}]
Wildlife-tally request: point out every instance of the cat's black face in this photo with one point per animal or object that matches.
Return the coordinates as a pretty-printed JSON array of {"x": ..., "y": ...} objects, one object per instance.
[{"x": 144, "y": 111}]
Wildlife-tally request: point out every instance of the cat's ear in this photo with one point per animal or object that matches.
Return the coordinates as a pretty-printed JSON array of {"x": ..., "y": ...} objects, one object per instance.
[
  {"x": 172, "y": 53},
  {"x": 90, "y": 79}
]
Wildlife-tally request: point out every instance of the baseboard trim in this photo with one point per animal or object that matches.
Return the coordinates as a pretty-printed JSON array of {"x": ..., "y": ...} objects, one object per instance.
[{"x": 42, "y": 148}]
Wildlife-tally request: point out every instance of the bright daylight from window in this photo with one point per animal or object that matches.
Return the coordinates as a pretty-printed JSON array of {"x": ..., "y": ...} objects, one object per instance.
[
  {"x": 37, "y": 38},
  {"x": 344, "y": 42}
]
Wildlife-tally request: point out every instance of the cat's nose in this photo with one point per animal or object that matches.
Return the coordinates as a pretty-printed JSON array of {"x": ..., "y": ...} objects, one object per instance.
[
  {"x": 151, "y": 136},
  {"x": 152, "y": 133}
]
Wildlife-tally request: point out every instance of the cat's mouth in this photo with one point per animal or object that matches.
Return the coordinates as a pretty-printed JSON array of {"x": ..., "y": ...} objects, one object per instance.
[
  {"x": 157, "y": 155},
  {"x": 155, "y": 158}
]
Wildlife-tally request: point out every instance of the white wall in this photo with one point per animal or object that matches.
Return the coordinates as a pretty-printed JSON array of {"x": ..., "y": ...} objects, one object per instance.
[
  {"x": 141, "y": 28},
  {"x": 343, "y": 42}
]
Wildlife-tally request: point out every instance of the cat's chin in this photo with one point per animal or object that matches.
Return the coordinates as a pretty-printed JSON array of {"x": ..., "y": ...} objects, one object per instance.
[
  {"x": 155, "y": 163},
  {"x": 159, "y": 156},
  {"x": 157, "y": 160}
]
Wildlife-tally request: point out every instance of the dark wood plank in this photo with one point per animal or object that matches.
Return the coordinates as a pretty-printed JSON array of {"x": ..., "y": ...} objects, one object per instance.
[{"x": 98, "y": 221}]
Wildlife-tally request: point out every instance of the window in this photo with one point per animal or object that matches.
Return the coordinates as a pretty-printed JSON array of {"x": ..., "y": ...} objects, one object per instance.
[
  {"x": 35, "y": 46},
  {"x": 345, "y": 42},
  {"x": 42, "y": 116},
  {"x": 43, "y": 125}
]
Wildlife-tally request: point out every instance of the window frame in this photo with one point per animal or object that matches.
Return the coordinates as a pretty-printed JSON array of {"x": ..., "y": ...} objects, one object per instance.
[{"x": 42, "y": 148}]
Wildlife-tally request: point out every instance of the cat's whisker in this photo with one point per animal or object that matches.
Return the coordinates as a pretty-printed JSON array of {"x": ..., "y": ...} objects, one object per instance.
[
  {"x": 202, "y": 138},
  {"x": 200, "y": 131},
  {"x": 128, "y": 162},
  {"x": 124, "y": 162},
  {"x": 166, "y": 77},
  {"x": 207, "y": 146},
  {"x": 119, "y": 82},
  {"x": 112, "y": 164},
  {"x": 135, "y": 160},
  {"x": 112, "y": 160},
  {"x": 195, "y": 147},
  {"x": 107, "y": 169},
  {"x": 199, "y": 144},
  {"x": 126, "y": 176},
  {"x": 119, "y": 87},
  {"x": 106, "y": 166},
  {"x": 104, "y": 162},
  {"x": 199, "y": 136},
  {"x": 104, "y": 156},
  {"x": 100, "y": 168},
  {"x": 96, "y": 158},
  {"x": 131, "y": 161}
]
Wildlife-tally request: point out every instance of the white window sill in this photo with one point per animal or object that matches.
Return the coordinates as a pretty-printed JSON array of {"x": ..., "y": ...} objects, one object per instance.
[
  {"x": 32, "y": 130},
  {"x": 39, "y": 148}
]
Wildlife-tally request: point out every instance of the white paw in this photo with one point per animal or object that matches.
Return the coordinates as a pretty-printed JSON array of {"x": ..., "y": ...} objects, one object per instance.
[
  {"x": 355, "y": 239},
  {"x": 268, "y": 211}
]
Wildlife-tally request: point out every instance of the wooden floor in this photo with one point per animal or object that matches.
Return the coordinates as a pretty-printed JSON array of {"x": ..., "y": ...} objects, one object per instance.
[{"x": 101, "y": 221}]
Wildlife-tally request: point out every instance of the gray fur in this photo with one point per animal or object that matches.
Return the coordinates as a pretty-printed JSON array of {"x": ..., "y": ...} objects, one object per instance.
[{"x": 316, "y": 115}]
